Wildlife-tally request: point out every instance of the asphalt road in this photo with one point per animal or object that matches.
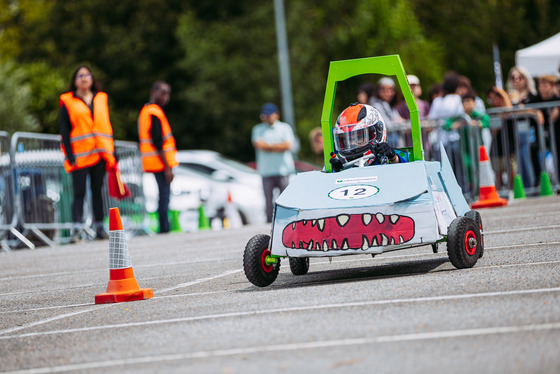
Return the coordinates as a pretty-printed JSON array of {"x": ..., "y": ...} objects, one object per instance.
[{"x": 406, "y": 311}]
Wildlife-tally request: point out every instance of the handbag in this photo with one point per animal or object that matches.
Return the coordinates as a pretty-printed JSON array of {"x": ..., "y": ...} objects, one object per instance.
[{"x": 117, "y": 188}]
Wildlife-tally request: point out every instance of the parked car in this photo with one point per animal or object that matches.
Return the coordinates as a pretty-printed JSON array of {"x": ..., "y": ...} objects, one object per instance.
[
  {"x": 229, "y": 180},
  {"x": 188, "y": 190}
]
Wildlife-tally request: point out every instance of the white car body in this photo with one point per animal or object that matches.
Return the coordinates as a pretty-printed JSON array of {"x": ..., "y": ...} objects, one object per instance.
[{"x": 229, "y": 177}]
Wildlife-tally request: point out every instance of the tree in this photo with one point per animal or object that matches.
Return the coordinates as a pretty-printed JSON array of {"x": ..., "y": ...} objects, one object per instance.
[
  {"x": 235, "y": 69},
  {"x": 15, "y": 99}
]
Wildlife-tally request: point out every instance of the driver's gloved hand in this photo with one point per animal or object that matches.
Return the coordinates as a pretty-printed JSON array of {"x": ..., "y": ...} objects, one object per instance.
[
  {"x": 384, "y": 149},
  {"x": 336, "y": 162}
]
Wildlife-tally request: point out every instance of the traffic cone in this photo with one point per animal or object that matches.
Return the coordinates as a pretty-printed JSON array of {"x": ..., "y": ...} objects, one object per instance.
[
  {"x": 232, "y": 218},
  {"x": 203, "y": 222},
  {"x": 488, "y": 196},
  {"x": 546, "y": 187},
  {"x": 174, "y": 224},
  {"x": 122, "y": 284},
  {"x": 518, "y": 189}
]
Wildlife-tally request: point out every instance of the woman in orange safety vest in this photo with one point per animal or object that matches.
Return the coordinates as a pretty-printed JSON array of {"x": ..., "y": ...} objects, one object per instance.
[
  {"x": 87, "y": 143},
  {"x": 157, "y": 147}
]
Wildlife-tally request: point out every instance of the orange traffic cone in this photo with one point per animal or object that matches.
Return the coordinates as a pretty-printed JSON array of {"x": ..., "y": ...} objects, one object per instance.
[
  {"x": 232, "y": 217},
  {"x": 488, "y": 196},
  {"x": 122, "y": 284}
]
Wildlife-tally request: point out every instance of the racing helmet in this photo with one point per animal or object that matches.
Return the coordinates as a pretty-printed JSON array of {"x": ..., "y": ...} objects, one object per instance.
[{"x": 356, "y": 128}]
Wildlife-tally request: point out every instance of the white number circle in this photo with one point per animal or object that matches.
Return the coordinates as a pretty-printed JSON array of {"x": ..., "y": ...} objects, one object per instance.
[{"x": 353, "y": 192}]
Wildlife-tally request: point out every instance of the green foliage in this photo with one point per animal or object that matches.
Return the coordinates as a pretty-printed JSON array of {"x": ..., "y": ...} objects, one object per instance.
[{"x": 15, "y": 99}]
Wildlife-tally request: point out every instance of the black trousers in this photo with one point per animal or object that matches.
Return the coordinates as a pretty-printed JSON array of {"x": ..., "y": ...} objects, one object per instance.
[
  {"x": 269, "y": 184},
  {"x": 79, "y": 179}
]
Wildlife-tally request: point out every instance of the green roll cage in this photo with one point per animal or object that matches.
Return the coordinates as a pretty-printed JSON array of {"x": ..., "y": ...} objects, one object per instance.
[{"x": 385, "y": 65}]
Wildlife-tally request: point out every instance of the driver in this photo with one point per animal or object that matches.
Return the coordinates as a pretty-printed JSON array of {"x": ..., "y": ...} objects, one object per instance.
[{"x": 360, "y": 131}]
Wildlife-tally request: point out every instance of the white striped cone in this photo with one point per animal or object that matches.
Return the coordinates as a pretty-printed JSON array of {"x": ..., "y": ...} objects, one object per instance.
[
  {"x": 488, "y": 196},
  {"x": 122, "y": 284}
]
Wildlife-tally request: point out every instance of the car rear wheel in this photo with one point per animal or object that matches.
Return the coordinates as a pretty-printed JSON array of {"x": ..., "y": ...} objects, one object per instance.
[
  {"x": 463, "y": 242},
  {"x": 258, "y": 269},
  {"x": 299, "y": 265}
]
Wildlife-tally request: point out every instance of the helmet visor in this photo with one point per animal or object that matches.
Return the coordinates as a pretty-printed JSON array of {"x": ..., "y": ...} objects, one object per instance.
[{"x": 357, "y": 138}]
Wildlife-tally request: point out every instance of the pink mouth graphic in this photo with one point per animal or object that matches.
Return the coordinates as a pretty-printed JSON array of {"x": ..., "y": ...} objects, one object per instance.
[{"x": 348, "y": 231}]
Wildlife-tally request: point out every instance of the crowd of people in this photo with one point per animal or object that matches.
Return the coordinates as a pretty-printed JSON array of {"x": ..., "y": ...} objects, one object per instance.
[{"x": 453, "y": 104}]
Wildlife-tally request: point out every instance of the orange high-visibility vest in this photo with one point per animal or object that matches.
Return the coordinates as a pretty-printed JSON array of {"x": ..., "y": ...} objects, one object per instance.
[
  {"x": 91, "y": 137},
  {"x": 151, "y": 161}
]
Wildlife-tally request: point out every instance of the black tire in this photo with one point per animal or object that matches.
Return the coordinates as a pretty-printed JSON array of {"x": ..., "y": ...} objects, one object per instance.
[
  {"x": 256, "y": 270},
  {"x": 463, "y": 242},
  {"x": 475, "y": 216},
  {"x": 299, "y": 265}
]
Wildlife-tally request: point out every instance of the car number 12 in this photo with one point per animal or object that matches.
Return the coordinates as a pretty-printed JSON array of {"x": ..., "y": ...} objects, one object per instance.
[{"x": 353, "y": 192}]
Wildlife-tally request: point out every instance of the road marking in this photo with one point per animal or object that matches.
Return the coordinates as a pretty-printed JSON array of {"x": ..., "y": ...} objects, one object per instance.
[
  {"x": 282, "y": 310},
  {"x": 295, "y": 347},
  {"x": 45, "y": 308},
  {"x": 160, "y": 264},
  {"x": 61, "y": 316},
  {"x": 51, "y": 319},
  {"x": 533, "y": 228},
  {"x": 201, "y": 280}
]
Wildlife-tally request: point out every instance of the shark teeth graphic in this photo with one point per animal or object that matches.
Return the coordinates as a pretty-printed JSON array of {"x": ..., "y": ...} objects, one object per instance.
[
  {"x": 384, "y": 239},
  {"x": 342, "y": 219},
  {"x": 348, "y": 232},
  {"x": 365, "y": 243}
]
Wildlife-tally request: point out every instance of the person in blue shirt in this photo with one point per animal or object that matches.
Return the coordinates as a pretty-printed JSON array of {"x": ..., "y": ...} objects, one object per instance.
[
  {"x": 273, "y": 141},
  {"x": 360, "y": 131}
]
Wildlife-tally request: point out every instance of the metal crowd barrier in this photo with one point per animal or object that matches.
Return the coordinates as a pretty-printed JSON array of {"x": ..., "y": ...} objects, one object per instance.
[
  {"x": 43, "y": 190},
  {"x": 461, "y": 145},
  {"x": 527, "y": 147},
  {"x": 517, "y": 144},
  {"x": 8, "y": 217}
]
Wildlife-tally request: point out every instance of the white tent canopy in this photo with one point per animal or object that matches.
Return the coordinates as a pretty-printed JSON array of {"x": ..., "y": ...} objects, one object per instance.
[{"x": 542, "y": 58}]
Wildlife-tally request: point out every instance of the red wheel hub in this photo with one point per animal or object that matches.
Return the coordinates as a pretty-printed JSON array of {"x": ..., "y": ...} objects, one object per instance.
[
  {"x": 470, "y": 242},
  {"x": 266, "y": 267}
]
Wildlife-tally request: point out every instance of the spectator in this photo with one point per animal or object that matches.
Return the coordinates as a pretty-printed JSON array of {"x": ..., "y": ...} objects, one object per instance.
[
  {"x": 157, "y": 147},
  {"x": 443, "y": 108},
  {"x": 519, "y": 161},
  {"x": 548, "y": 117},
  {"x": 316, "y": 141},
  {"x": 520, "y": 86},
  {"x": 423, "y": 106},
  {"x": 273, "y": 141},
  {"x": 465, "y": 88},
  {"x": 450, "y": 104},
  {"x": 435, "y": 91},
  {"x": 478, "y": 123},
  {"x": 365, "y": 93},
  {"x": 87, "y": 144},
  {"x": 385, "y": 104}
]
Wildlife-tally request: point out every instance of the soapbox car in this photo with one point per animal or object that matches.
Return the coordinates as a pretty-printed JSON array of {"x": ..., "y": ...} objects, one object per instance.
[{"x": 368, "y": 209}]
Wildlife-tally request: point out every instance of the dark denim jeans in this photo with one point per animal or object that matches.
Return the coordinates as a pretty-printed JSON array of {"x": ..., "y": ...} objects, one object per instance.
[{"x": 163, "y": 206}]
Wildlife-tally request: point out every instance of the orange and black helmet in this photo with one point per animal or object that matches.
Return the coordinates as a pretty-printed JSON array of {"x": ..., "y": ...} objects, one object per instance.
[{"x": 356, "y": 128}]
